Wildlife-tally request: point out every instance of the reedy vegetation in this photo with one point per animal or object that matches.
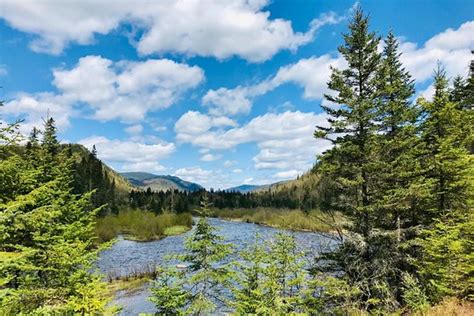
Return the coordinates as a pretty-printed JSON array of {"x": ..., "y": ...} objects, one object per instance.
[
  {"x": 401, "y": 171},
  {"x": 140, "y": 225}
]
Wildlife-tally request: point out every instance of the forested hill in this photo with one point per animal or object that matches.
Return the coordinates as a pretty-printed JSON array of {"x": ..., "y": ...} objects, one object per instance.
[
  {"x": 91, "y": 173},
  {"x": 155, "y": 182}
]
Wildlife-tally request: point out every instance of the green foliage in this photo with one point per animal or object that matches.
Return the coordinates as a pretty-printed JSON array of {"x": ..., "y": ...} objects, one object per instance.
[
  {"x": 354, "y": 89},
  {"x": 46, "y": 235},
  {"x": 396, "y": 169},
  {"x": 168, "y": 293},
  {"x": 446, "y": 262},
  {"x": 140, "y": 225},
  {"x": 413, "y": 295},
  {"x": 205, "y": 276},
  {"x": 249, "y": 297},
  {"x": 283, "y": 218}
]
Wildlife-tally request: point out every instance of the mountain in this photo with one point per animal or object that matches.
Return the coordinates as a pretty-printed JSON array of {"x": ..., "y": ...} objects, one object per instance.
[
  {"x": 246, "y": 188},
  {"x": 155, "y": 182}
]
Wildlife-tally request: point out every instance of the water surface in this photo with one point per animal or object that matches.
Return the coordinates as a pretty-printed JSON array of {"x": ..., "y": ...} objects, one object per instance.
[{"x": 126, "y": 256}]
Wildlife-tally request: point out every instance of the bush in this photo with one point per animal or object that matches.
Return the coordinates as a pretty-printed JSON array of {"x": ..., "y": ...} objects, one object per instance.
[
  {"x": 413, "y": 295},
  {"x": 284, "y": 218},
  {"x": 139, "y": 225}
]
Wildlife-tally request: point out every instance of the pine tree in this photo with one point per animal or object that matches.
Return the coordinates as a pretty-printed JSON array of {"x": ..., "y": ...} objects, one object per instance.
[
  {"x": 396, "y": 141},
  {"x": 445, "y": 264},
  {"x": 205, "y": 276},
  {"x": 50, "y": 142},
  {"x": 47, "y": 242},
  {"x": 352, "y": 123},
  {"x": 445, "y": 160},
  {"x": 249, "y": 296},
  {"x": 284, "y": 276}
]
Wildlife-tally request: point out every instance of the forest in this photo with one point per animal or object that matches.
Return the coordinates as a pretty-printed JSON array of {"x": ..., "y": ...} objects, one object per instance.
[{"x": 400, "y": 171}]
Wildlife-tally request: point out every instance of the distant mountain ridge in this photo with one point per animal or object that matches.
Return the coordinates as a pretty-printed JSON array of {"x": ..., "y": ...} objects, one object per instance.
[
  {"x": 244, "y": 188},
  {"x": 247, "y": 188},
  {"x": 145, "y": 180}
]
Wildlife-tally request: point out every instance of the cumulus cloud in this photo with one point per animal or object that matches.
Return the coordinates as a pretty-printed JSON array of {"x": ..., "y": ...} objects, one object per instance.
[
  {"x": 452, "y": 48},
  {"x": 124, "y": 90},
  {"x": 134, "y": 130},
  {"x": 194, "y": 174},
  {"x": 130, "y": 155},
  {"x": 290, "y": 174},
  {"x": 311, "y": 74},
  {"x": 210, "y": 157},
  {"x": 219, "y": 29},
  {"x": 284, "y": 140},
  {"x": 34, "y": 109}
]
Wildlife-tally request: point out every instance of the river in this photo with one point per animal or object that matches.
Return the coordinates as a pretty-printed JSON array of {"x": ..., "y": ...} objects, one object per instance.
[{"x": 126, "y": 256}]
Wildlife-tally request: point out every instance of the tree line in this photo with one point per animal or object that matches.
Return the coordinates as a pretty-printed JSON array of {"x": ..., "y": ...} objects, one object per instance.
[{"x": 185, "y": 201}]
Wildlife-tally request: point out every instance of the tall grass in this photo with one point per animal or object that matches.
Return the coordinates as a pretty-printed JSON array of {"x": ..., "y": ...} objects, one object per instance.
[
  {"x": 284, "y": 218},
  {"x": 139, "y": 225}
]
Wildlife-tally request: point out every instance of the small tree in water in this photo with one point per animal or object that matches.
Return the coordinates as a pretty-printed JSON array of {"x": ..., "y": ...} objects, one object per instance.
[{"x": 196, "y": 290}]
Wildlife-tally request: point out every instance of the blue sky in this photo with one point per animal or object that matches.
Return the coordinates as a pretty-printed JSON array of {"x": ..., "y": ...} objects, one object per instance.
[{"x": 217, "y": 92}]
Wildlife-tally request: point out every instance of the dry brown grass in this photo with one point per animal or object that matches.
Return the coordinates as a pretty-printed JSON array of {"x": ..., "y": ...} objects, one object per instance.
[{"x": 451, "y": 307}]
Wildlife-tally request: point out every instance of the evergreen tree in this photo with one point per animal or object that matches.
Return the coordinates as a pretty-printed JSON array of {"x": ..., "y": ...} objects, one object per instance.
[
  {"x": 352, "y": 124},
  {"x": 47, "y": 242},
  {"x": 445, "y": 264},
  {"x": 445, "y": 160},
  {"x": 205, "y": 276},
  {"x": 249, "y": 296},
  {"x": 50, "y": 142},
  {"x": 396, "y": 141}
]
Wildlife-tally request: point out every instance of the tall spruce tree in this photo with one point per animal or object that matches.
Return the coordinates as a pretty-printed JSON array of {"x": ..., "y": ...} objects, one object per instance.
[
  {"x": 445, "y": 264},
  {"x": 396, "y": 141},
  {"x": 445, "y": 159},
  {"x": 352, "y": 123},
  {"x": 372, "y": 115}
]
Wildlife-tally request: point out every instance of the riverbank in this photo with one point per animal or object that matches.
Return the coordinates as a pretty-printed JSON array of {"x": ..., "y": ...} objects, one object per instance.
[
  {"x": 313, "y": 221},
  {"x": 140, "y": 225}
]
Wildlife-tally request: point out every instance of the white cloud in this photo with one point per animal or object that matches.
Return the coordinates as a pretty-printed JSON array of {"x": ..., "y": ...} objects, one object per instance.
[
  {"x": 124, "y": 90},
  {"x": 285, "y": 140},
  {"x": 210, "y": 157},
  {"x": 134, "y": 129},
  {"x": 195, "y": 123},
  {"x": 225, "y": 101},
  {"x": 311, "y": 74},
  {"x": 194, "y": 174},
  {"x": 130, "y": 155},
  {"x": 452, "y": 48},
  {"x": 237, "y": 170},
  {"x": 219, "y": 29},
  {"x": 3, "y": 70},
  {"x": 229, "y": 163},
  {"x": 34, "y": 109},
  {"x": 290, "y": 174}
]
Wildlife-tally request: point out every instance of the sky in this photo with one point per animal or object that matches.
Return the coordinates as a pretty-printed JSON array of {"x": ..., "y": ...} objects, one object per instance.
[{"x": 221, "y": 93}]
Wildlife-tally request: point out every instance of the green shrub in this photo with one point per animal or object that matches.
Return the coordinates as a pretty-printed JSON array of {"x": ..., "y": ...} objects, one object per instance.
[{"x": 139, "y": 225}]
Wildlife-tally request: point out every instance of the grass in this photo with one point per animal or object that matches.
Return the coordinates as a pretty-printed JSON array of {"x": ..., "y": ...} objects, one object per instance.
[
  {"x": 125, "y": 285},
  {"x": 450, "y": 306},
  {"x": 288, "y": 219},
  {"x": 141, "y": 225},
  {"x": 176, "y": 230}
]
